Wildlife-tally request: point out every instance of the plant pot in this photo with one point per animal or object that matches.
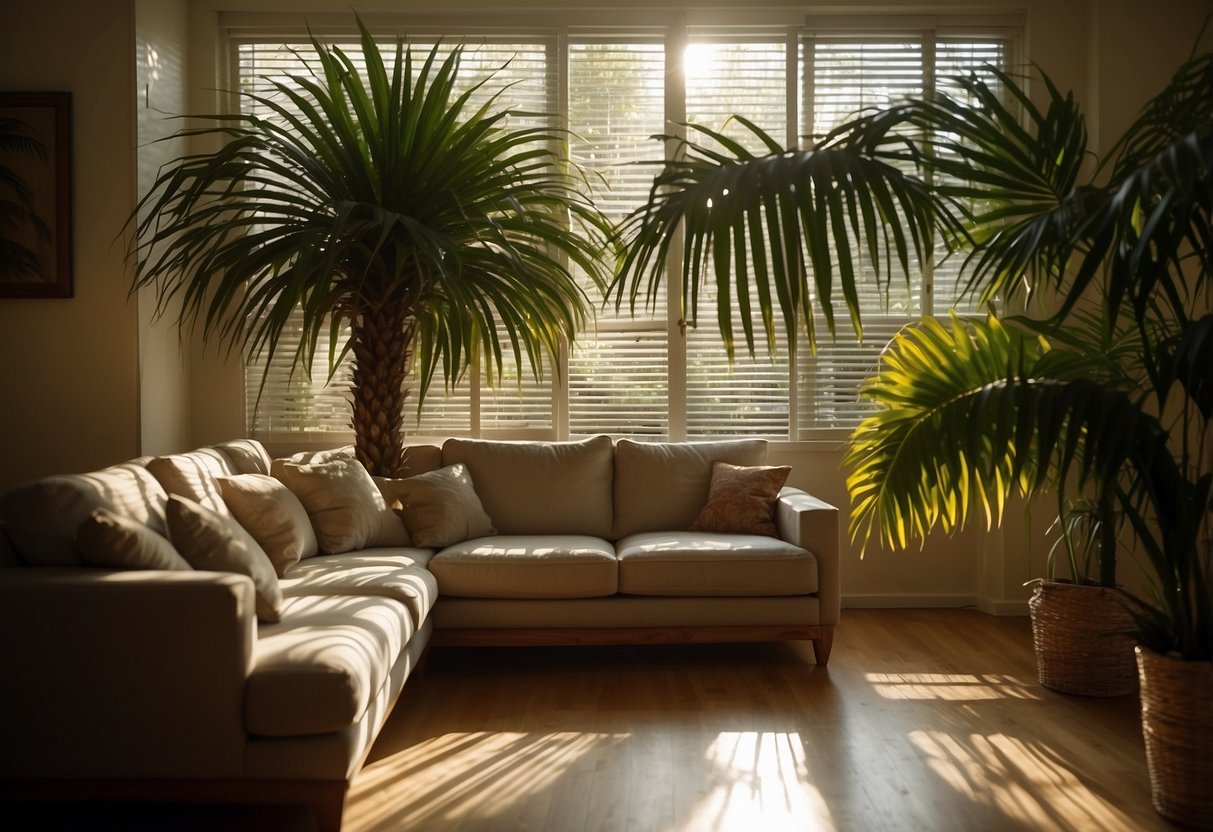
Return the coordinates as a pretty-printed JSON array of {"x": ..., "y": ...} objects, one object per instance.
[
  {"x": 1076, "y": 631},
  {"x": 1177, "y": 725}
]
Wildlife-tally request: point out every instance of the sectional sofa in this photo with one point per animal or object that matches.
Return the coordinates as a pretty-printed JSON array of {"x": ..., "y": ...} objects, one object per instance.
[{"x": 220, "y": 626}]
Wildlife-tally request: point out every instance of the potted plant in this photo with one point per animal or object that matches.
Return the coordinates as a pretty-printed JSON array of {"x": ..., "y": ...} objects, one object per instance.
[
  {"x": 972, "y": 412},
  {"x": 388, "y": 202}
]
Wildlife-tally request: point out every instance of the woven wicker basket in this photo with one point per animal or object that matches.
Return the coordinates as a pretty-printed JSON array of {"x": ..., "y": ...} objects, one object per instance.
[
  {"x": 1177, "y": 724},
  {"x": 1075, "y": 630}
]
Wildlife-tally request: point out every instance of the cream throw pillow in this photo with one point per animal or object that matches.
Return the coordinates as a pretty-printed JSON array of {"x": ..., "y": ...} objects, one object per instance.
[
  {"x": 440, "y": 507},
  {"x": 273, "y": 516},
  {"x": 214, "y": 542},
  {"x": 342, "y": 501},
  {"x": 110, "y": 540}
]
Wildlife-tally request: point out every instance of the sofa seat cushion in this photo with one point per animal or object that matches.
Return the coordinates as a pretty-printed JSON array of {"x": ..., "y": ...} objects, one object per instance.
[
  {"x": 399, "y": 574},
  {"x": 317, "y": 669},
  {"x": 713, "y": 564},
  {"x": 527, "y": 566}
]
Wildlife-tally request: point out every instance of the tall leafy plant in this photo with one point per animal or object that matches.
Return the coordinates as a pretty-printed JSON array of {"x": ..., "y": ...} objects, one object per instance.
[
  {"x": 1112, "y": 389},
  {"x": 384, "y": 201}
]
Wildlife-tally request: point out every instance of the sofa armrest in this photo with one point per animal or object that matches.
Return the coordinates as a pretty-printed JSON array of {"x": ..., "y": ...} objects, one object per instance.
[
  {"x": 123, "y": 673},
  {"x": 812, "y": 524}
]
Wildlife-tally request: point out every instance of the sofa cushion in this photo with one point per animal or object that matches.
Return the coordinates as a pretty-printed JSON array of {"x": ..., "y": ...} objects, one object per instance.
[
  {"x": 438, "y": 507},
  {"x": 528, "y": 566},
  {"x": 273, "y": 515},
  {"x": 42, "y": 517},
  {"x": 318, "y": 668},
  {"x": 741, "y": 499},
  {"x": 216, "y": 542},
  {"x": 399, "y": 574},
  {"x": 111, "y": 540},
  {"x": 193, "y": 474},
  {"x": 713, "y": 564},
  {"x": 540, "y": 487},
  {"x": 248, "y": 456},
  {"x": 662, "y": 486},
  {"x": 344, "y": 504}
]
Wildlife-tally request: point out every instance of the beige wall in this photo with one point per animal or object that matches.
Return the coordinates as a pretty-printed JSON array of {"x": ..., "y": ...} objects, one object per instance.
[
  {"x": 69, "y": 387},
  {"x": 161, "y": 93},
  {"x": 77, "y": 404}
]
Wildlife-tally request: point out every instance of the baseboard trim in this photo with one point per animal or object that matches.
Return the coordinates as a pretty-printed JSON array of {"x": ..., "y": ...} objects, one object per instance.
[{"x": 986, "y": 605}]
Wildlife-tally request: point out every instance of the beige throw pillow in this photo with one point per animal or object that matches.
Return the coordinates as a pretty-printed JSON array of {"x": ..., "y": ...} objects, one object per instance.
[
  {"x": 342, "y": 501},
  {"x": 440, "y": 507},
  {"x": 273, "y": 516},
  {"x": 741, "y": 500},
  {"x": 214, "y": 542},
  {"x": 110, "y": 540}
]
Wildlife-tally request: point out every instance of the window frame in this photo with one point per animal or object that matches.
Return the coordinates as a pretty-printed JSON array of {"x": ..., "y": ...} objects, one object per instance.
[{"x": 675, "y": 29}]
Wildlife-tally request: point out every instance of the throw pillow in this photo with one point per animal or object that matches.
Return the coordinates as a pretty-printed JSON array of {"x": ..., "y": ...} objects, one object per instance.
[
  {"x": 110, "y": 540},
  {"x": 741, "y": 499},
  {"x": 273, "y": 516},
  {"x": 440, "y": 507},
  {"x": 214, "y": 542},
  {"x": 341, "y": 500}
]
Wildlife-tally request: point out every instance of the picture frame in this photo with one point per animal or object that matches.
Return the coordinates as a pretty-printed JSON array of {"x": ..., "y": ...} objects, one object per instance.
[{"x": 35, "y": 186}]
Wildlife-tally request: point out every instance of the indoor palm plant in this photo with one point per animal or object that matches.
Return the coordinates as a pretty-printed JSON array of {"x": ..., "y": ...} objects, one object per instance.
[
  {"x": 436, "y": 230},
  {"x": 974, "y": 412}
]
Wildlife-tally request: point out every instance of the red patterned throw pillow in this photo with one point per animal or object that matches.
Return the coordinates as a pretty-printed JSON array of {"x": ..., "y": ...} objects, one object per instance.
[{"x": 741, "y": 499}]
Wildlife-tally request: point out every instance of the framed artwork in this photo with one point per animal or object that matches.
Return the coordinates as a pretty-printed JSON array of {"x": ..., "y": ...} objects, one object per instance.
[{"x": 35, "y": 195}]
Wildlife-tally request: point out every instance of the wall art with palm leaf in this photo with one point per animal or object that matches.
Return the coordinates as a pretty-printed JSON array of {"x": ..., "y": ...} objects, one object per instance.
[{"x": 35, "y": 195}]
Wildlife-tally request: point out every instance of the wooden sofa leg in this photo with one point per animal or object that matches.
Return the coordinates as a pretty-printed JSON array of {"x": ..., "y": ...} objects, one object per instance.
[
  {"x": 328, "y": 804},
  {"x": 822, "y": 645}
]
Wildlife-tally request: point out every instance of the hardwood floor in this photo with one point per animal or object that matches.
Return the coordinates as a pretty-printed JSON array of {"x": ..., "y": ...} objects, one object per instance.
[{"x": 924, "y": 720}]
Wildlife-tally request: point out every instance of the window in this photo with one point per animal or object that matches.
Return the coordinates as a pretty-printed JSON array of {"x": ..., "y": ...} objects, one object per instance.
[{"x": 646, "y": 375}]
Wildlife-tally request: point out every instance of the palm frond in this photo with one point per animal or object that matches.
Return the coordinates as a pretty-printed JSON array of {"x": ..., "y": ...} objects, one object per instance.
[{"x": 787, "y": 220}]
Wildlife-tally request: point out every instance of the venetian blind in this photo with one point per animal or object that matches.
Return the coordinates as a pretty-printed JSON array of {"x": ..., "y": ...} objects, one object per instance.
[
  {"x": 618, "y": 378},
  {"x": 306, "y": 399},
  {"x": 750, "y": 76},
  {"x": 846, "y": 74}
]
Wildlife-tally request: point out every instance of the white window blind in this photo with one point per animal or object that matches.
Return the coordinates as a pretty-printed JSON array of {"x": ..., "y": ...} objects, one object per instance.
[
  {"x": 619, "y": 370},
  {"x": 848, "y": 73},
  {"x": 285, "y": 402},
  {"x": 748, "y": 76},
  {"x": 641, "y": 375}
]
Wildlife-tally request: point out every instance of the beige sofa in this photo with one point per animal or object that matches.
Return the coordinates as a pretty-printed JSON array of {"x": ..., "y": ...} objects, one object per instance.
[{"x": 163, "y": 684}]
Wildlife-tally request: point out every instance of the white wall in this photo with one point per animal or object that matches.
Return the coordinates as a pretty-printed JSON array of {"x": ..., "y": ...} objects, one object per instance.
[
  {"x": 73, "y": 393},
  {"x": 161, "y": 93},
  {"x": 69, "y": 375}
]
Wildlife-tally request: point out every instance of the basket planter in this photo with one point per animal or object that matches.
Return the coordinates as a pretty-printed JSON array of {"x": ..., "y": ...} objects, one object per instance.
[
  {"x": 1076, "y": 631},
  {"x": 1177, "y": 725}
]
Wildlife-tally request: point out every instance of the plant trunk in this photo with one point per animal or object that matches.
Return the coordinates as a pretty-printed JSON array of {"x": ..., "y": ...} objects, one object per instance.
[{"x": 382, "y": 345}]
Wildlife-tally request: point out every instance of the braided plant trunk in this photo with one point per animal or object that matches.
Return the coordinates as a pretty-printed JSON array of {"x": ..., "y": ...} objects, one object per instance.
[{"x": 382, "y": 347}]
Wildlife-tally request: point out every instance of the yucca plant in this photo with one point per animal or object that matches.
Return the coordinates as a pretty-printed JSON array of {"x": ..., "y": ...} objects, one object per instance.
[
  {"x": 1111, "y": 389},
  {"x": 435, "y": 230}
]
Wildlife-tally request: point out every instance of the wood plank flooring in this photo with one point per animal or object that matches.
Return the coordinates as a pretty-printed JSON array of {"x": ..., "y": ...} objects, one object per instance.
[{"x": 924, "y": 720}]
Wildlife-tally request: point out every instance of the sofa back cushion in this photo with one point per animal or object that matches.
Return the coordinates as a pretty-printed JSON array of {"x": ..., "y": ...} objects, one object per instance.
[
  {"x": 662, "y": 486},
  {"x": 193, "y": 475},
  {"x": 248, "y": 456},
  {"x": 42, "y": 517},
  {"x": 540, "y": 487}
]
